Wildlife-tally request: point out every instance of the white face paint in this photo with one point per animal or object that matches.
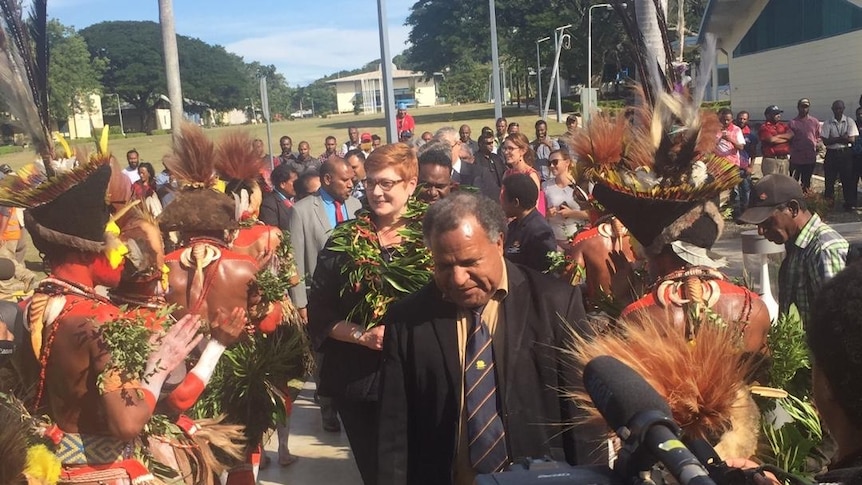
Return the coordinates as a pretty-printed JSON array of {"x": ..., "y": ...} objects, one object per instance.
[{"x": 467, "y": 229}]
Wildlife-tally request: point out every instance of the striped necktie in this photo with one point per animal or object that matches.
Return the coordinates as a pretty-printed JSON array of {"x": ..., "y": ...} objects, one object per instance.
[{"x": 487, "y": 438}]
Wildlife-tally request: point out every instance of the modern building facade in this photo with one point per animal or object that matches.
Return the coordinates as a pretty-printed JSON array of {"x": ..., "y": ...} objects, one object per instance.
[
  {"x": 779, "y": 51},
  {"x": 364, "y": 90}
]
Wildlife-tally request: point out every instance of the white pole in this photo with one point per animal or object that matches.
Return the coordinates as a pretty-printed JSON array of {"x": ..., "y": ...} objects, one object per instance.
[
  {"x": 495, "y": 63},
  {"x": 388, "y": 93},
  {"x": 120, "y": 110},
  {"x": 172, "y": 65},
  {"x": 588, "y": 107},
  {"x": 542, "y": 114}
]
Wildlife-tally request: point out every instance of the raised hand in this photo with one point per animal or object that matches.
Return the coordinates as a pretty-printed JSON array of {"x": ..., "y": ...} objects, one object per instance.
[
  {"x": 171, "y": 349},
  {"x": 229, "y": 328}
]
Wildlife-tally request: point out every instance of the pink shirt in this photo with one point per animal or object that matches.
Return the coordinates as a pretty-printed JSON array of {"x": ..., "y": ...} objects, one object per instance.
[
  {"x": 725, "y": 148},
  {"x": 803, "y": 145}
]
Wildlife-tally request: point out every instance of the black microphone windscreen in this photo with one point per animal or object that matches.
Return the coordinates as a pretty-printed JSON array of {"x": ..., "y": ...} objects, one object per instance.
[
  {"x": 7, "y": 269},
  {"x": 619, "y": 392}
]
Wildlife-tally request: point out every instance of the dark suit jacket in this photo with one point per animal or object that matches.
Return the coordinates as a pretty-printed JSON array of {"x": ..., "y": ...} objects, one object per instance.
[
  {"x": 529, "y": 240},
  {"x": 489, "y": 177},
  {"x": 422, "y": 378},
  {"x": 273, "y": 212},
  {"x": 467, "y": 175}
]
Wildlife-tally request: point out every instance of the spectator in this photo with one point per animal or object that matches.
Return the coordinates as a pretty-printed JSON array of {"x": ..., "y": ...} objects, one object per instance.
[
  {"x": 775, "y": 139},
  {"x": 287, "y": 155},
  {"x": 746, "y": 159},
  {"x": 567, "y": 139},
  {"x": 307, "y": 184},
  {"x": 144, "y": 189},
  {"x": 489, "y": 168},
  {"x": 405, "y": 137},
  {"x": 527, "y": 315},
  {"x": 352, "y": 142},
  {"x": 519, "y": 159},
  {"x": 462, "y": 173},
  {"x": 803, "y": 145},
  {"x": 376, "y": 141},
  {"x": 542, "y": 146},
  {"x": 730, "y": 143},
  {"x": 403, "y": 120},
  {"x": 310, "y": 222},
  {"x": 564, "y": 214},
  {"x": 464, "y": 133},
  {"x": 815, "y": 251},
  {"x": 465, "y": 154},
  {"x": 365, "y": 144},
  {"x": 131, "y": 170},
  {"x": 426, "y": 137},
  {"x": 305, "y": 160},
  {"x": 275, "y": 203},
  {"x": 513, "y": 128},
  {"x": 530, "y": 237},
  {"x": 435, "y": 175},
  {"x": 839, "y": 134},
  {"x": 330, "y": 143},
  {"x": 502, "y": 132},
  {"x": 356, "y": 160}
]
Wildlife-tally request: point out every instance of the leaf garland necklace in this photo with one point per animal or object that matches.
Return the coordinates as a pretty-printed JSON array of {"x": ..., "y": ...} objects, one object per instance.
[{"x": 379, "y": 280}]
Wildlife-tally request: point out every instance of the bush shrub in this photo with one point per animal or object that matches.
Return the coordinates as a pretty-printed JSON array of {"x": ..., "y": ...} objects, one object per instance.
[
  {"x": 161, "y": 132},
  {"x": 7, "y": 149}
]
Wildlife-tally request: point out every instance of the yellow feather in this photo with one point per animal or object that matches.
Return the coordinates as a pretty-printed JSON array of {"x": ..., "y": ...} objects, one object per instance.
[
  {"x": 103, "y": 140},
  {"x": 66, "y": 148}
]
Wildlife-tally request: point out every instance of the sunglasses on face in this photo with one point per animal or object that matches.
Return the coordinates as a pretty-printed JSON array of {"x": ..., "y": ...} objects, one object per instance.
[{"x": 554, "y": 161}]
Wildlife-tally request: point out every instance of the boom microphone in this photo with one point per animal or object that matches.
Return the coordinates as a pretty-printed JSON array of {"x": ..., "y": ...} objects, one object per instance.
[{"x": 641, "y": 418}]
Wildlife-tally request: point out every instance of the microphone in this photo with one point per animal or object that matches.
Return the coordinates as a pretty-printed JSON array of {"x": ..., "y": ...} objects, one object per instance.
[{"x": 641, "y": 418}]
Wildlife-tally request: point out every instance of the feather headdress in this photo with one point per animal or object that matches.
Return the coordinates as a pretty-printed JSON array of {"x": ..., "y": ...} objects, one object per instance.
[
  {"x": 24, "y": 72},
  {"x": 239, "y": 165},
  {"x": 653, "y": 163},
  {"x": 199, "y": 205},
  {"x": 702, "y": 379}
]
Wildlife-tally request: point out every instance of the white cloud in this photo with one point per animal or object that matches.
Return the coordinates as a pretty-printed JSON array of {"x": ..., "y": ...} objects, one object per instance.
[{"x": 307, "y": 54}]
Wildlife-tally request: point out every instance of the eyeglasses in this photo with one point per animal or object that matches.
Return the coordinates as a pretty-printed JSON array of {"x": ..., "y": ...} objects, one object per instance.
[
  {"x": 555, "y": 161},
  {"x": 384, "y": 184}
]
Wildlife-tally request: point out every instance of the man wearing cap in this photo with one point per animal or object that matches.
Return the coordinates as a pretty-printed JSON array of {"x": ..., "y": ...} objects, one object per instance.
[
  {"x": 815, "y": 251},
  {"x": 803, "y": 145},
  {"x": 775, "y": 141},
  {"x": 405, "y": 137},
  {"x": 403, "y": 120},
  {"x": 839, "y": 134}
]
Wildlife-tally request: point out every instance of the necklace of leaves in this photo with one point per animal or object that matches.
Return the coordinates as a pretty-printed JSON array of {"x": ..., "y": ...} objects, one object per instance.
[{"x": 379, "y": 280}]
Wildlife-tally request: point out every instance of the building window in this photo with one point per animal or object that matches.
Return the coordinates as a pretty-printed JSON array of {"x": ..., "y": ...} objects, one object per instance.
[{"x": 788, "y": 22}]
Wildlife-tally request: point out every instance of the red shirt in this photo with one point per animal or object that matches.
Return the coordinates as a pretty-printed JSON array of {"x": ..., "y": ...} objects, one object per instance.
[
  {"x": 767, "y": 131},
  {"x": 405, "y": 123}
]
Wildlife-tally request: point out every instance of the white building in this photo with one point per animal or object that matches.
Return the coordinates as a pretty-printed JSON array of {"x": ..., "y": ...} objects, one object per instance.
[
  {"x": 409, "y": 86},
  {"x": 779, "y": 51}
]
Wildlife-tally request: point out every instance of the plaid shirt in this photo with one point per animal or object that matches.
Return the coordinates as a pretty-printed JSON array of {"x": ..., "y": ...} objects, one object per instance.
[{"x": 817, "y": 254}]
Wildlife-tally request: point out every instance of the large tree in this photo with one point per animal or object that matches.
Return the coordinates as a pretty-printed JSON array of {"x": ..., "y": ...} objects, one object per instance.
[
  {"x": 136, "y": 71},
  {"x": 72, "y": 75}
]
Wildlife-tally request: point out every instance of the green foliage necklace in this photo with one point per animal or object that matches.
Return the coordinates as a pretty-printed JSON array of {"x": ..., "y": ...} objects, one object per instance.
[{"x": 379, "y": 280}]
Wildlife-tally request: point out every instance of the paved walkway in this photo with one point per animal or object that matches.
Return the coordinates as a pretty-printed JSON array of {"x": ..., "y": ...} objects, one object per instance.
[{"x": 324, "y": 458}]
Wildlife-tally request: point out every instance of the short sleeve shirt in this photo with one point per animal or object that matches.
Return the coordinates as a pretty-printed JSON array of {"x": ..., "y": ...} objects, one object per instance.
[
  {"x": 727, "y": 149},
  {"x": 767, "y": 131},
  {"x": 806, "y": 134}
]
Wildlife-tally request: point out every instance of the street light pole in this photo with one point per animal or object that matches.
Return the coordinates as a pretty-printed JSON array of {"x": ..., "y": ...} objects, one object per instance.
[
  {"x": 542, "y": 114},
  {"x": 589, "y": 104},
  {"x": 120, "y": 111}
]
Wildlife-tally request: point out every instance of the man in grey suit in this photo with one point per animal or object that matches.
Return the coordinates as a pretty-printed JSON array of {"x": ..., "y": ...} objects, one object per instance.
[{"x": 309, "y": 222}]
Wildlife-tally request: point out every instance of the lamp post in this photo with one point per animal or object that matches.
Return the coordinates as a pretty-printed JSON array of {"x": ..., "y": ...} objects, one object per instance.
[
  {"x": 589, "y": 104},
  {"x": 120, "y": 111},
  {"x": 559, "y": 37},
  {"x": 539, "y": 74},
  {"x": 495, "y": 63}
]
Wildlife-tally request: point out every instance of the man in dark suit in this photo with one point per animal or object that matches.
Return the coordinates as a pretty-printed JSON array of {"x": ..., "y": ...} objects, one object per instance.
[
  {"x": 275, "y": 204},
  {"x": 489, "y": 168},
  {"x": 505, "y": 322},
  {"x": 530, "y": 237},
  {"x": 310, "y": 221}
]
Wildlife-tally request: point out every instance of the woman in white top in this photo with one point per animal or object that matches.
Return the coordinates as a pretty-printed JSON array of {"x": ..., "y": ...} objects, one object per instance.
[{"x": 564, "y": 214}]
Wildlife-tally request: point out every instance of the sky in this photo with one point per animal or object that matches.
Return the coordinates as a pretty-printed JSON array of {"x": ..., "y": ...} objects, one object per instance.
[{"x": 304, "y": 39}]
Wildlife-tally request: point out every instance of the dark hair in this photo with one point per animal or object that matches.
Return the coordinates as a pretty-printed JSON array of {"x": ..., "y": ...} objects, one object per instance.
[
  {"x": 445, "y": 215},
  {"x": 725, "y": 111},
  {"x": 376, "y": 136},
  {"x": 486, "y": 130},
  {"x": 281, "y": 174},
  {"x": 301, "y": 184},
  {"x": 520, "y": 186},
  {"x": 540, "y": 122},
  {"x": 741, "y": 112},
  {"x": 356, "y": 152},
  {"x": 285, "y": 137},
  {"x": 436, "y": 157},
  {"x": 330, "y": 137},
  {"x": 835, "y": 338},
  {"x": 331, "y": 165},
  {"x": 150, "y": 170},
  {"x": 132, "y": 151}
]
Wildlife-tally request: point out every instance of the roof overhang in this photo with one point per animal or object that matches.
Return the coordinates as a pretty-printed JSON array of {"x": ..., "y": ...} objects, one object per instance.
[{"x": 725, "y": 18}]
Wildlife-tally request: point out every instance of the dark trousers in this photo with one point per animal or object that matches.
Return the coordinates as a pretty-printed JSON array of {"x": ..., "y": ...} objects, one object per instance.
[
  {"x": 802, "y": 173},
  {"x": 359, "y": 420},
  {"x": 838, "y": 165}
]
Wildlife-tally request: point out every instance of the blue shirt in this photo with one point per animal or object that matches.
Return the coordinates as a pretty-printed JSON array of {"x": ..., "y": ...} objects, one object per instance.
[{"x": 329, "y": 207}]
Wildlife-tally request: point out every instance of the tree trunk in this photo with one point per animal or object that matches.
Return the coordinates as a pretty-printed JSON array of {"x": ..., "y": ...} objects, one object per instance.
[{"x": 648, "y": 25}]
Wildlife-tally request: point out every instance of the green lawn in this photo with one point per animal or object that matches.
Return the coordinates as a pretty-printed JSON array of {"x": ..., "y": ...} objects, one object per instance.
[{"x": 315, "y": 130}]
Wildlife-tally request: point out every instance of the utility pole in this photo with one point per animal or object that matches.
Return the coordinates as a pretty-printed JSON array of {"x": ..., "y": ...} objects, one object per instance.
[
  {"x": 172, "y": 65},
  {"x": 680, "y": 27},
  {"x": 386, "y": 73},
  {"x": 495, "y": 63}
]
